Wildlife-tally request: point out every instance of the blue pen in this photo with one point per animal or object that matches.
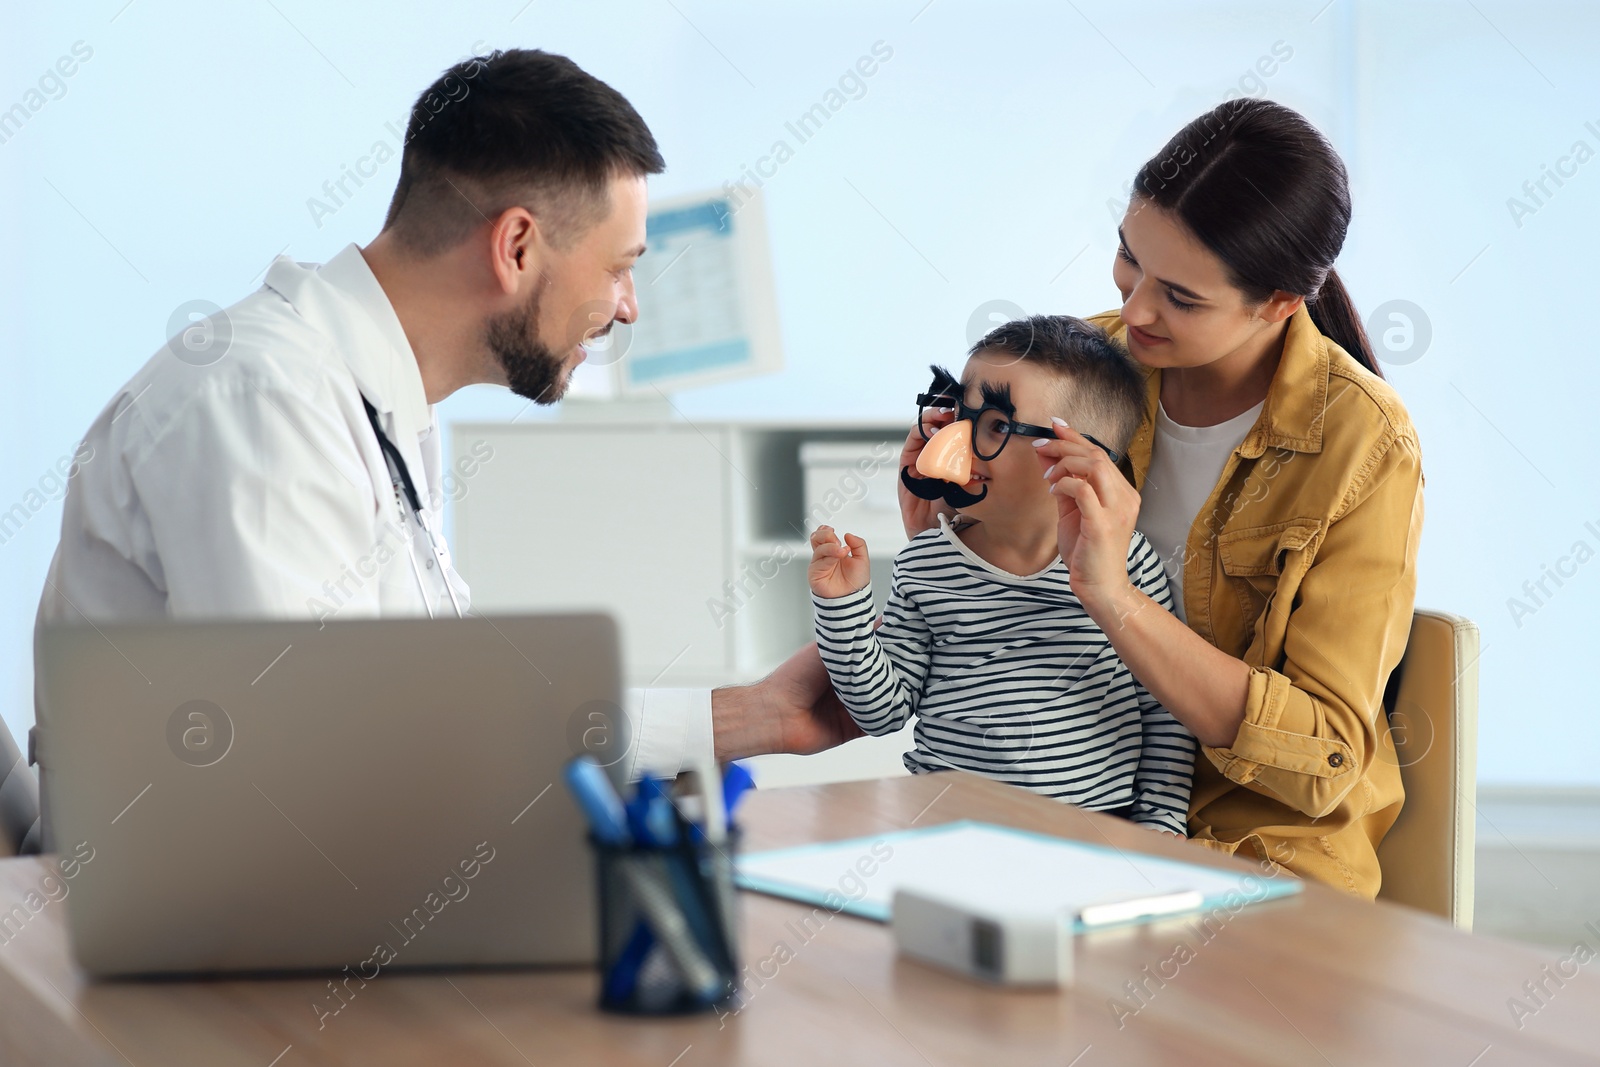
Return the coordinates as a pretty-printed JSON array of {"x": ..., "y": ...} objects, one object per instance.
[
  {"x": 650, "y": 817},
  {"x": 609, "y": 820},
  {"x": 623, "y": 978},
  {"x": 674, "y": 834},
  {"x": 709, "y": 910},
  {"x": 658, "y": 817},
  {"x": 599, "y": 801},
  {"x": 736, "y": 781},
  {"x": 637, "y": 808}
]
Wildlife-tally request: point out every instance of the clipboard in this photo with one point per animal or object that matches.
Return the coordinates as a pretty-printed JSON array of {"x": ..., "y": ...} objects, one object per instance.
[{"x": 1016, "y": 869}]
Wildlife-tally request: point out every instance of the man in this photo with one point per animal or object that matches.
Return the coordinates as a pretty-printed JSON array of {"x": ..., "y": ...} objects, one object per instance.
[{"x": 264, "y": 464}]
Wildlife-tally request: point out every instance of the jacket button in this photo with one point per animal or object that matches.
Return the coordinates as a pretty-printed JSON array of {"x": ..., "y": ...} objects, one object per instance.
[{"x": 1335, "y": 759}]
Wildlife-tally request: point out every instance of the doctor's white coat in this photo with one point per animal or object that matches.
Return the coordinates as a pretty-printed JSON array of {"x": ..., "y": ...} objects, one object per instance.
[{"x": 236, "y": 476}]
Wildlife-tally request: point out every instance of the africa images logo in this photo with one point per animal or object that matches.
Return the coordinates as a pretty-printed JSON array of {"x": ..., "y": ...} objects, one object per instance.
[{"x": 199, "y": 733}]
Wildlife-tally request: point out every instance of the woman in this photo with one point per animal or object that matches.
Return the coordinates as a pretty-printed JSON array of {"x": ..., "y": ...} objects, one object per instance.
[{"x": 1279, "y": 476}]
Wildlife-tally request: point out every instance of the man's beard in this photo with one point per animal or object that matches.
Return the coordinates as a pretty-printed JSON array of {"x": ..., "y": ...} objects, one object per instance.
[{"x": 532, "y": 370}]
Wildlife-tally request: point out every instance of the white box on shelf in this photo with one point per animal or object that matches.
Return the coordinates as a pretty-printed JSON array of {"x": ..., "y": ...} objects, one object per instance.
[{"x": 853, "y": 487}]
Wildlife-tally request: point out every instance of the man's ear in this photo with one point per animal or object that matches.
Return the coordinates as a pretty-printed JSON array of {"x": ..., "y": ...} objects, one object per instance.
[
  {"x": 515, "y": 250},
  {"x": 1279, "y": 306}
]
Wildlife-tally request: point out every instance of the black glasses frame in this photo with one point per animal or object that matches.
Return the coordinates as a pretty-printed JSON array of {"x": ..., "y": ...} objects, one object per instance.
[{"x": 943, "y": 398}]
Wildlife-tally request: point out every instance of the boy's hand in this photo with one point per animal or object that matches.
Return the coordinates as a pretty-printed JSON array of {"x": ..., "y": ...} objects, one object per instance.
[{"x": 837, "y": 570}]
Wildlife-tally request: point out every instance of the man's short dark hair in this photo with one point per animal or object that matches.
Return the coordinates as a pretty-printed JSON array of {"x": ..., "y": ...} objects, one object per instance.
[
  {"x": 1104, "y": 390},
  {"x": 515, "y": 127}
]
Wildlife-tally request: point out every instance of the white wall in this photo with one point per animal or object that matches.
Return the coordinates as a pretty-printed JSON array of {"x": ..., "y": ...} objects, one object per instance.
[{"x": 978, "y": 165}]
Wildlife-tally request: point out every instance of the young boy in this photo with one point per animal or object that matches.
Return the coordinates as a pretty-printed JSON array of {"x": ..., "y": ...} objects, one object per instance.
[{"x": 982, "y": 638}]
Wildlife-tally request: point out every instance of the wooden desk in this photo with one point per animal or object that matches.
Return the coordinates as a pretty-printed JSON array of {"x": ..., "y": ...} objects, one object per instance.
[{"x": 1319, "y": 978}]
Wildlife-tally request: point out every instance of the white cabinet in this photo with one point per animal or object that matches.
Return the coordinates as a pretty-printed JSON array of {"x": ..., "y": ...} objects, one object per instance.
[
  {"x": 633, "y": 521},
  {"x": 694, "y": 535}
]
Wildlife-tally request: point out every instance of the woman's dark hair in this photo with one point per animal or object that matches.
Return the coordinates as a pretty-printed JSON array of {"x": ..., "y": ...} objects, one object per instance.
[{"x": 1264, "y": 190}]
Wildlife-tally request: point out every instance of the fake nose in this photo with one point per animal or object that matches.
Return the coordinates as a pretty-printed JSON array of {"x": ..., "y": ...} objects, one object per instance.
[{"x": 948, "y": 454}]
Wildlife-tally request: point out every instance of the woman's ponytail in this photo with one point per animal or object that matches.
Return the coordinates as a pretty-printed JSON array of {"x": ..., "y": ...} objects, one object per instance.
[{"x": 1335, "y": 315}]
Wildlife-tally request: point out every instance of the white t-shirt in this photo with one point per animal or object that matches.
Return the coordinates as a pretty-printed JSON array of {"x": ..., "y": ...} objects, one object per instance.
[{"x": 1185, "y": 464}]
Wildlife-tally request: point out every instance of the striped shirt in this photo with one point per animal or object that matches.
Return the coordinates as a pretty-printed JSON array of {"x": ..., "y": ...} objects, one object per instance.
[{"x": 1010, "y": 678}]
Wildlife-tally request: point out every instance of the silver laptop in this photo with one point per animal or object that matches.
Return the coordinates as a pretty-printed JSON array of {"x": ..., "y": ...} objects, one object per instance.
[{"x": 368, "y": 794}]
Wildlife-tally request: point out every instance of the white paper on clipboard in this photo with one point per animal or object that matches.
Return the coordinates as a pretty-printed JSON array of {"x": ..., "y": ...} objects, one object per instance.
[{"x": 1014, "y": 869}]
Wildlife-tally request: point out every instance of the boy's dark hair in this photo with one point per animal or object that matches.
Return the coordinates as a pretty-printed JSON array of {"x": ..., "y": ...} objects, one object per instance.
[
  {"x": 515, "y": 127},
  {"x": 1103, "y": 390}
]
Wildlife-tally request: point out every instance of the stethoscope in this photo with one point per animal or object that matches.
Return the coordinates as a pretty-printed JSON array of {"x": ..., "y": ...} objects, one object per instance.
[{"x": 400, "y": 475}]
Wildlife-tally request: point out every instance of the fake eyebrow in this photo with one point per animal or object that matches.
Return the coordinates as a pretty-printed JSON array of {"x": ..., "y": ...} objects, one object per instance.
[
  {"x": 944, "y": 383},
  {"x": 998, "y": 396}
]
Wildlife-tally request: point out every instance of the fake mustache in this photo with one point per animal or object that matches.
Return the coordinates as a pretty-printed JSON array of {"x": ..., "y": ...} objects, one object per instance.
[{"x": 938, "y": 489}]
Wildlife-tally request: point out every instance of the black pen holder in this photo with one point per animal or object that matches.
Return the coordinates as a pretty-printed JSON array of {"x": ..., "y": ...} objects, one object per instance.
[{"x": 667, "y": 926}]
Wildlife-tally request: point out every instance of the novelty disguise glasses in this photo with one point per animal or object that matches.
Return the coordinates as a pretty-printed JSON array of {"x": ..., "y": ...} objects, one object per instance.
[{"x": 981, "y": 431}]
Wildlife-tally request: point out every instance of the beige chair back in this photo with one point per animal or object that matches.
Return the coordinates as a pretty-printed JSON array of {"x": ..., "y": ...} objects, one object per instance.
[
  {"x": 1432, "y": 704},
  {"x": 19, "y": 799}
]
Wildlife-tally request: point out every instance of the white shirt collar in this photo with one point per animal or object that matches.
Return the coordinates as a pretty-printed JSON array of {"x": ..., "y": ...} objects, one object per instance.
[{"x": 343, "y": 299}]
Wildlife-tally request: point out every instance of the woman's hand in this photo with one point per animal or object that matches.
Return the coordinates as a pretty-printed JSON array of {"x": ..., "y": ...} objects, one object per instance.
[
  {"x": 1096, "y": 510},
  {"x": 915, "y": 513},
  {"x": 837, "y": 570}
]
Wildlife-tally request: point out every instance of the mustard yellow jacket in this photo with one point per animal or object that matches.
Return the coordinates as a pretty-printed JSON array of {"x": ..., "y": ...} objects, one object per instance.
[{"x": 1303, "y": 564}]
